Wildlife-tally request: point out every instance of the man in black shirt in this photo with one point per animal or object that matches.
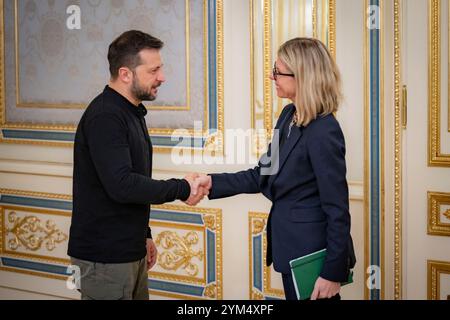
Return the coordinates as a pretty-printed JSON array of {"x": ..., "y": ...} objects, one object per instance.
[{"x": 110, "y": 240}]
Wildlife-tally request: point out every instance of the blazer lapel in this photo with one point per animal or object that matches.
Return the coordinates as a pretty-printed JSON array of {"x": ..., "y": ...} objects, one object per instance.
[
  {"x": 289, "y": 144},
  {"x": 274, "y": 162}
]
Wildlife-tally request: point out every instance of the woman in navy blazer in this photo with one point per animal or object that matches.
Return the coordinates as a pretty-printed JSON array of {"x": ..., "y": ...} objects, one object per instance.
[{"x": 304, "y": 170}]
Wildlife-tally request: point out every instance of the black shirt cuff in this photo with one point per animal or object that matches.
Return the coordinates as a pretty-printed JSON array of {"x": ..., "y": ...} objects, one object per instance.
[{"x": 184, "y": 190}]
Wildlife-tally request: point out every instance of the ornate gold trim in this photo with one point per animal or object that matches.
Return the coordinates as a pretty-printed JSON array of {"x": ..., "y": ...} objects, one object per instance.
[
  {"x": 2, "y": 68},
  {"x": 206, "y": 213},
  {"x": 398, "y": 280},
  {"x": 36, "y": 194},
  {"x": 22, "y": 255},
  {"x": 26, "y": 230},
  {"x": 184, "y": 227},
  {"x": 220, "y": 79},
  {"x": 30, "y": 126},
  {"x": 183, "y": 253},
  {"x": 435, "y": 157},
  {"x": 435, "y": 226},
  {"x": 173, "y": 295},
  {"x": 332, "y": 27},
  {"x": 254, "y": 229},
  {"x": 2, "y": 227},
  {"x": 74, "y": 106},
  {"x": 268, "y": 115},
  {"x": 314, "y": 17},
  {"x": 435, "y": 269},
  {"x": 34, "y": 273},
  {"x": 173, "y": 207},
  {"x": 205, "y": 59},
  {"x": 324, "y": 20},
  {"x": 218, "y": 138},
  {"x": 268, "y": 98},
  {"x": 36, "y": 143}
]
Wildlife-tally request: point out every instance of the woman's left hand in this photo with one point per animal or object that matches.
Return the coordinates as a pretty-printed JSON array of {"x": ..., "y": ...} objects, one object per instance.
[{"x": 325, "y": 289}]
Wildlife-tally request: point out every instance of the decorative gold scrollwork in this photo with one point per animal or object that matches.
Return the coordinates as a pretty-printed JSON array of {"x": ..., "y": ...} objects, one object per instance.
[
  {"x": 179, "y": 252},
  {"x": 256, "y": 295},
  {"x": 210, "y": 291},
  {"x": 258, "y": 226},
  {"x": 447, "y": 214},
  {"x": 32, "y": 234},
  {"x": 210, "y": 222}
]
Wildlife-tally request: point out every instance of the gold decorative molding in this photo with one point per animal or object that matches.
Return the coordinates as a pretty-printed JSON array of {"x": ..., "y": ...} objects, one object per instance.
[
  {"x": 2, "y": 69},
  {"x": 435, "y": 157},
  {"x": 267, "y": 58},
  {"x": 332, "y": 27},
  {"x": 257, "y": 222},
  {"x": 178, "y": 252},
  {"x": 328, "y": 23},
  {"x": 44, "y": 195},
  {"x": 435, "y": 226},
  {"x": 314, "y": 17},
  {"x": 217, "y": 142},
  {"x": 34, "y": 273},
  {"x": 75, "y": 106},
  {"x": 210, "y": 222},
  {"x": 211, "y": 291},
  {"x": 398, "y": 280},
  {"x": 258, "y": 226},
  {"x": 256, "y": 295},
  {"x": 435, "y": 270},
  {"x": 4, "y": 231},
  {"x": 447, "y": 214},
  {"x": 181, "y": 242},
  {"x": 169, "y": 275},
  {"x": 31, "y": 233}
]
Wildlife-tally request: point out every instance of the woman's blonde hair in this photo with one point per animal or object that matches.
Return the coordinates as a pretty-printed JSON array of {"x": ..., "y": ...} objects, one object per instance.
[{"x": 318, "y": 78}]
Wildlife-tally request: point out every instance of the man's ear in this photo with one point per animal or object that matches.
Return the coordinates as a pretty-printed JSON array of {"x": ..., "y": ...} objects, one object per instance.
[{"x": 125, "y": 75}]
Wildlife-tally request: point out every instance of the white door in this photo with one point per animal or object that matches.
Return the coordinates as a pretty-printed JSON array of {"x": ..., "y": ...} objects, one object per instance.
[{"x": 426, "y": 181}]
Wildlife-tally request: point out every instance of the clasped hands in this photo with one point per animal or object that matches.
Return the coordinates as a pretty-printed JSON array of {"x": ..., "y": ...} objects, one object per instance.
[{"x": 200, "y": 186}]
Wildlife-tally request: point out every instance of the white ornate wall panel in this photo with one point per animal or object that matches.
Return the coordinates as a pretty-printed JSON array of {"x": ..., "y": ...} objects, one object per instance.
[{"x": 222, "y": 255}]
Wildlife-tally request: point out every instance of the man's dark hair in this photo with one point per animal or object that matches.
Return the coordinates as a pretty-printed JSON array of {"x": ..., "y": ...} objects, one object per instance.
[{"x": 124, "y": 51}]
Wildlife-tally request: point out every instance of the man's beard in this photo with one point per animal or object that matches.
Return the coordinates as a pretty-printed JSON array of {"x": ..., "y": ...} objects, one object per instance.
[{"x": 139, "y": 93}]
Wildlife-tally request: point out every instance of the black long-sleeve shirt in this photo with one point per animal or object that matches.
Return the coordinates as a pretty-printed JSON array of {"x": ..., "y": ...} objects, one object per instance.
[{"x": 112, "y": 182}]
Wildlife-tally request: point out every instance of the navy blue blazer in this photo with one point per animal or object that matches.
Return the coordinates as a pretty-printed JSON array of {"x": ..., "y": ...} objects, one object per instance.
[{"x": 309, "y": 194}]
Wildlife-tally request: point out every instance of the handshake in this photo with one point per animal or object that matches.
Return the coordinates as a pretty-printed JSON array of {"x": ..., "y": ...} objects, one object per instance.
[{"x": 200, "y": 185}]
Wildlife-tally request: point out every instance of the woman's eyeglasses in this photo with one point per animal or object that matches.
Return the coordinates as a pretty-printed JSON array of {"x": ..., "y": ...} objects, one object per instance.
[{"x": 276, "y": 73}]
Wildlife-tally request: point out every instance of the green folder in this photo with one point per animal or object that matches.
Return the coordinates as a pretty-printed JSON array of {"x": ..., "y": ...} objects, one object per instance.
[{"x": 306, "y": 270}]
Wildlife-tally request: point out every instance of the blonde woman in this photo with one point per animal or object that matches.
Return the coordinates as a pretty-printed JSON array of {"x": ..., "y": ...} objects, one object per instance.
[{"x": 307, "y": 182}]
